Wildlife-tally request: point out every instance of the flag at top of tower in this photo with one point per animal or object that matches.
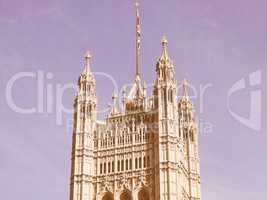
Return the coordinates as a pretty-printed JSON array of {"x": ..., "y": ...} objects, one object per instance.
[{"x": 138, "y": 27}]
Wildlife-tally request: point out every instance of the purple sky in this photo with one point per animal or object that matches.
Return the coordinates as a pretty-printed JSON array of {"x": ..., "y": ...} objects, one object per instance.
[{"x": 211, "y": 42}]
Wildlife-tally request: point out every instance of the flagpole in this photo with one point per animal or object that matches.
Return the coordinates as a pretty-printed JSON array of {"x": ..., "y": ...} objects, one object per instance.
[{"x": 137, "y": 39}]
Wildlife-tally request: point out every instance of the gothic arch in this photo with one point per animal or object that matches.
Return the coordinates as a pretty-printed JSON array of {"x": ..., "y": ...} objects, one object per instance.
[
  {"x": 143, "y": 194},
  {"x": 126, "y": 195},
  {"x": 170, "y": 95},
  {"x": 108, "y": 196}
]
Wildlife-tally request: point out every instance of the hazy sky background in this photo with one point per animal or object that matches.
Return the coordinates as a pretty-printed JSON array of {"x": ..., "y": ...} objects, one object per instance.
[{"x": 211, "y": 42}]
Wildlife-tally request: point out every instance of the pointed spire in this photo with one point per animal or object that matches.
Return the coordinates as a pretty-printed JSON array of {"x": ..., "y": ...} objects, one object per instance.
[
  {"x": 113, "y": 109},
  {"x": 87, "y": 68},
  {"x": 164, "y": 43},
  {"x": 124, "y": 91},
  {"x": 114, "y": 96},
  {"x": 138, "y": 39},
  {"x": 136, "y": 91},
  {"x": 144, "y": 85},
  {"x": 185, "y": 89},
  {"x": 144, "y": 89}
]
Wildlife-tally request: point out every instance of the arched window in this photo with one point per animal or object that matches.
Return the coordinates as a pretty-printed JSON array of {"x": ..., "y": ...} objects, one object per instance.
[
  {"x": 126, "y": 195},
  {"x": 105, "y": 166},
  {"x": 192, "y": 135},
  {"x": 108, "y": 196},
  {"x": 127, "y": 164},
  {"x": 136, "y": 163},
  {"x": 118, "y": 167},
  {"x": 100, "y": 168},
  {"x": 143, "y": 194},
  {"x": 112, "y": 166},
  {"x": 144, "y": 163},
  {"x": 122, "y": 165},
  {"x": 170, "y": 95}
]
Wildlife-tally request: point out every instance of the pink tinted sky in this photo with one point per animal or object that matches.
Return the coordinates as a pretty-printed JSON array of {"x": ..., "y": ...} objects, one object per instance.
[{"x": 211, "y": 42}]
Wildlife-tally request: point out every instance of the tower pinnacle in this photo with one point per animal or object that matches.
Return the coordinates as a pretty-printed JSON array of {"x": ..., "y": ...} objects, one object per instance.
[
  {"x": 164, "y": 43},
  {"x": 87, "y": 68},
  {"x": 113, "y": 108},
  {"x": 185, "y": 89}
]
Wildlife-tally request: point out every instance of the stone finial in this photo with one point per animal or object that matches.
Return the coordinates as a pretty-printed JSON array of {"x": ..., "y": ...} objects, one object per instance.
[
  {"x": 87, "y": 58},
  {"x": 185, "y": 89},
  {"x": 164, "y": 43}
]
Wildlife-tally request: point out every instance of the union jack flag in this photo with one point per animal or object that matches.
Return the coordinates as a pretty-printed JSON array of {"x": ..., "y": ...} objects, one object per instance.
[{"x": 138, "y": 29}]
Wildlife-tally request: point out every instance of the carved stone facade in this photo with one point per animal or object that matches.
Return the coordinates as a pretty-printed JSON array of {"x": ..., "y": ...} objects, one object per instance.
[{"x": 148, "y": 150}]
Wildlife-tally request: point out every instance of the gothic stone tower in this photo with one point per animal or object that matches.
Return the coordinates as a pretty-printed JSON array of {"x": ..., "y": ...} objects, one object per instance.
[{"x": 148, "y": 150}]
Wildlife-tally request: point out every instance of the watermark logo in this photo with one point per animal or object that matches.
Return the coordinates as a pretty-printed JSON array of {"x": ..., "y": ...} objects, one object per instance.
[
  {"x": 253, "y": 121},
  {"x": 49, "y": 96}
]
